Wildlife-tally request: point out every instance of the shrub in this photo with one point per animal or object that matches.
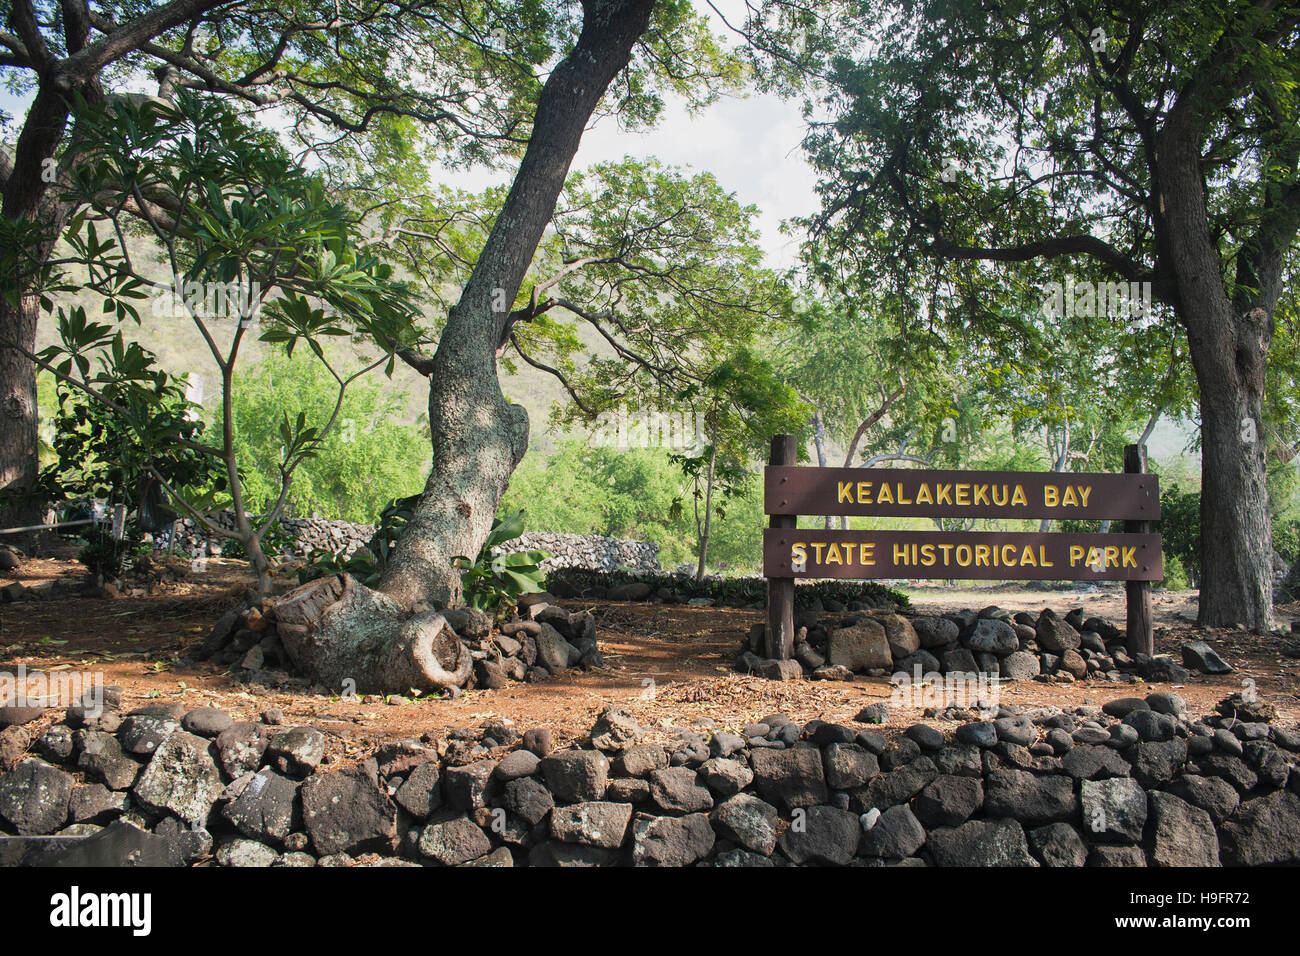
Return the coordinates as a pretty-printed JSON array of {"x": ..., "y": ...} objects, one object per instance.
[
  {"x": 1180, "y": 531},
  {"x": 494, "y": 579}
]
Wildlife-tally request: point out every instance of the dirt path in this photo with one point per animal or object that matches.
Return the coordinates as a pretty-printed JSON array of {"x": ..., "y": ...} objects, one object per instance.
[{"x": 667, "y": 665}]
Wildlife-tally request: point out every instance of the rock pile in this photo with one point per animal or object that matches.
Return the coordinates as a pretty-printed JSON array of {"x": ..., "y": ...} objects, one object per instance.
[
  {"x": 590, "y": 552},
  {"x": 1134, "y": 783},
  {"x": 540, "y": 639},
  {"x": 301, "y": 536},
  {"x": 995, "y": 643}
]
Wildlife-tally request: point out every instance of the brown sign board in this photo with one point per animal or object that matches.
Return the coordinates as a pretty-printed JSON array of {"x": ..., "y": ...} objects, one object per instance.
[
  {"x": 903, "y": 493},
  {"x": 982, "y": 555}
]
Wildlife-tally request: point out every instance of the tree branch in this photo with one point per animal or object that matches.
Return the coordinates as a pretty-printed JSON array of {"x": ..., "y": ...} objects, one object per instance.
[{"x": 541, "y": 366}]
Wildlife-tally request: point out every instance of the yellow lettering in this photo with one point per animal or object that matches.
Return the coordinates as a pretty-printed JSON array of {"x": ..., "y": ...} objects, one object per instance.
[
  {"x": 1069, "y": 498},
  {"x": 923, "y": 496},
  {"x": 1084, "y": 492},
  {"x": 981, "y": 555},
  {"x": 901, "y": 499},
  {"x": 1112, "y": 555},
  {"x": 1076, "y": 554},
  {"x": 944, "y": 495},
  {"x": 799, "y": 553},
  {"x": 868, "y": 552},
  {"x": 1027, "y": 557},
  {"x": 1018, "y": 496},
  {"x": 963, "y": 555},
  {"x": 1009, "y": 559},
  {"x": 884, "y": 496},
  {"x": 833, "y": 554},
  {"x": 947, "y": 554},
  {"x": 927, "y": 555},
  {"x": 1130, "y": 556},
  {"x": 963, "y": 493},
  {"x": 1000, "y": 502},
  {"x": 982, "y": 491},
  {"x": 817, "y": 550},
  {"x": 864, "y": 492},
  {"x": 845, "y": 492},
  {"x": 900, "y": 554},
  {"x": 1050, "y": 496},
  {"x": 1042, "y": 557}
]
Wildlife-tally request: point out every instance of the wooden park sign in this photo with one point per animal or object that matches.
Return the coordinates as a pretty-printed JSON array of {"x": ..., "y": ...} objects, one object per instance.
[{"x": 790, "y": 552}]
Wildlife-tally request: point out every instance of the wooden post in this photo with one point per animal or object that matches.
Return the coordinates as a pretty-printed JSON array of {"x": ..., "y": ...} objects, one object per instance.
[
  {"x": 779, "y": 634},
  {"x": 1140, "y": 631}
]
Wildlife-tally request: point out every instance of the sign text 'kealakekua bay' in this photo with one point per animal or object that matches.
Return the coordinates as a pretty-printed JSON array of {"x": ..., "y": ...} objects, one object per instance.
[{"x": 959, "y": 494}]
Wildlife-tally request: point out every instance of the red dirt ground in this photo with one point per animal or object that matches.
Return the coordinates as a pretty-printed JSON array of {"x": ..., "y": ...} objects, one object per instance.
[{"x": 666, "y": 665}]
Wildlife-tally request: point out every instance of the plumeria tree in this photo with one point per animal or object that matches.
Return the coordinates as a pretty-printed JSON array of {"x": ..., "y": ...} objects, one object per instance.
[{"x": 251, "y": 246}]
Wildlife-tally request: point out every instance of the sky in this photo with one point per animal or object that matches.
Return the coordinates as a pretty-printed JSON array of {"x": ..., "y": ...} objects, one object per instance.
[{"x": 751, "y": 145}]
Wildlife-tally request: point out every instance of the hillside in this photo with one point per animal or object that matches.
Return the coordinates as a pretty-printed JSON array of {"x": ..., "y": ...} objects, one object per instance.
[{"x": 179, "y": 346}]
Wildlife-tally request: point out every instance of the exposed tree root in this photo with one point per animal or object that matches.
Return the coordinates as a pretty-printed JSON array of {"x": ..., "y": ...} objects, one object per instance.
[{"x": 341, "y": 634}]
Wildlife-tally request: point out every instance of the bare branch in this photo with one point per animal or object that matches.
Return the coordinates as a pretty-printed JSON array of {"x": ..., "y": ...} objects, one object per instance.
[{"x": 568, "y": 387}]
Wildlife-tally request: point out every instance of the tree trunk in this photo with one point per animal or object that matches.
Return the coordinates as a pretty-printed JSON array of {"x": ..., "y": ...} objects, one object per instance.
[
  {"x": 1228, "y": 340},
  {"x": 18, "y": 436},
  {"x": 1236, "y": 535},
  {"x": 819, "y": 442},
  {"x": 347, "y": 636},
  {"x": 27, "y": 196},
  {"x": 708, "y": 511},
  {"x": 477, "y": 436}
]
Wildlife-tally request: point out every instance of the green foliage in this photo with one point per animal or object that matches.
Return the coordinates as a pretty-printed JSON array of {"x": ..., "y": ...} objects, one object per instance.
[
  {"x": 237, "y": 221},
  {"x": 494, "y": 579},
  {"x": 1176, "y": 576},
  {"x": 322, "y": 562},
  {"x": 98, "y": 453},
  {"x": 1180, "y": 531},
  {"x": 367, "y": 459},
  {"x": 106, "y": 558},
  {"x": 665, "y": 245},
  {"x": 631, "y": 493},
  {"x": 1286, "y": 538}
]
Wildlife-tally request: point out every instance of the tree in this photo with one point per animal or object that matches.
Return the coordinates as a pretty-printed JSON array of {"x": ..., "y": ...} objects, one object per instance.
[
  {"x": 635, "y": 48},
  {"x": 390, "y": 637},
  {"x": 848, "y": 357},
  {"x": 665, "y": 266},
  {"x": 662, "y": 265},
  {"x": 742, "y": 403},
  {"x": 249, "y": 239},
  {"x": 1147, "y": 145}
]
